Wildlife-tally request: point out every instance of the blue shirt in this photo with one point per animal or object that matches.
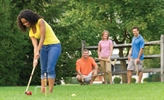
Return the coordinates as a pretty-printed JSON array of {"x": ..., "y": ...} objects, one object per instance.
[{"x": 137, "y": 44}]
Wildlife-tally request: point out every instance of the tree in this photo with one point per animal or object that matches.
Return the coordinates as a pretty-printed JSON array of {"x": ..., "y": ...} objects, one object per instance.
[
  {"x": 73, "y": 21},
  {"x": 87, "y": 19},
  {"x": 16, "y": 48},
  {"x": 11, "y": 43}
]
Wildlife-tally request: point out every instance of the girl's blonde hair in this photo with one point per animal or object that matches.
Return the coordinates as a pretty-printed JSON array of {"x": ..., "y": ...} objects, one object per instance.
[{"x": 105, "y": 31}]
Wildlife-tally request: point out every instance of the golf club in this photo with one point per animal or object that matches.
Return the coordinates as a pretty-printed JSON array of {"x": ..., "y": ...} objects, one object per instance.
[{"x": 28, "y": 92}]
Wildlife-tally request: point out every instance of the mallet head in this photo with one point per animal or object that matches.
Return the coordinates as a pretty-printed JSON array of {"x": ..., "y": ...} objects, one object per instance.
[{"x": 28, "y": 93}]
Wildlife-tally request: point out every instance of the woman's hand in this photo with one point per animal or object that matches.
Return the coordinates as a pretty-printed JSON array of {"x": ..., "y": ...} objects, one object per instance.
[
  {"x": 35, "y": 62},
  {"x": 36, "y": 55},
  {"x": 109, "y": 59},
  {"x": 99, "y": 58}
]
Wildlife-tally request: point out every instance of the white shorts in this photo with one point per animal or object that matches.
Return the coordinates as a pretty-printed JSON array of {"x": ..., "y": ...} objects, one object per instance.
[
  {"x": 87, "y": 78},
  {"x": 132, "y": 64}
]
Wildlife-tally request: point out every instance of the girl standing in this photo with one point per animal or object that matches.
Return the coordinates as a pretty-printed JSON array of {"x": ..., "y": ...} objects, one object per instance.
[
  {"x": 46, "y": 45},
  {"x": 105, "y": 49}
]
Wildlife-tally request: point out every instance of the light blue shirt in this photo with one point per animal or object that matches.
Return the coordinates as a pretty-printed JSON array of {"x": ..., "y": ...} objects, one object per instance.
[{"x": 137, "y": 44}]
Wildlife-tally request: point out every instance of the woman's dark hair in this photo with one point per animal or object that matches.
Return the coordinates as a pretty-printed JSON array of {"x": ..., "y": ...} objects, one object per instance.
[{"x": 30, "y": 16}]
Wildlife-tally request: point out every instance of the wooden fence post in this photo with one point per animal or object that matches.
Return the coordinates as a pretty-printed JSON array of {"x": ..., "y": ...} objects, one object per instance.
[
  {"x": 162, "y": 57},
  {"x": 82, "y": 46}
]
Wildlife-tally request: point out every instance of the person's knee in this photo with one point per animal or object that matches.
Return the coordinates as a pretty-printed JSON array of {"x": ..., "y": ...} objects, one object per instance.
[
  {"x": 94, "y": 73},
  {"x": 140, "y": 72},
  {"x": 129, "y": 71},
  {"x": 78, "y": 78}
]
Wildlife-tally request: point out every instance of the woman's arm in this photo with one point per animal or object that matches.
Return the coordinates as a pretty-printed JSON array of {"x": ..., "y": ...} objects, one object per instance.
[
  {"x": 35, "y": 44},
  {"x": 42, "y": 37},
  {"x": 42, "y": 28},
  {"x": 111, "y": 51},
  {"x": 98, "y": 51}
]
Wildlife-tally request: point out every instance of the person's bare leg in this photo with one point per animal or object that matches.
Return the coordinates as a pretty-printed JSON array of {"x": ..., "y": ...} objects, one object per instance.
[
  {"x": 42, "y": 86},
  {"x": 129, "y": 76},
  {"x": 51, "y": 84},
  {"x": 94, "y": 75},
  {"x": 93, "y": 78},
  {"x": 140, "y": 76},
  {"x": 80, "y": 79}
]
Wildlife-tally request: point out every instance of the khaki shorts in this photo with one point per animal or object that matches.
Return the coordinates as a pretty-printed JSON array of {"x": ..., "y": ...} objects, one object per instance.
[
  {"x": 132, "y": 63},
  {"x": 87, "y": 78}
]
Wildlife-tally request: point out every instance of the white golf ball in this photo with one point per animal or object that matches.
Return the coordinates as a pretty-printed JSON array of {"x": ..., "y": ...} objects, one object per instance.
[{"x": 73, "y": 95}]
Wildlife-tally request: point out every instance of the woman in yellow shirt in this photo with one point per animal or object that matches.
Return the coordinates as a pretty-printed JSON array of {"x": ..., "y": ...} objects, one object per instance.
[{"x": 46, "y": 45}]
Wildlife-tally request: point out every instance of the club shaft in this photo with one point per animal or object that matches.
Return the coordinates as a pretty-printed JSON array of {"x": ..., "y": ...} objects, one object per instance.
[
  {"x": 45, "y": 83},
  {"x": 30, "y": 78},
  {"x": 36, "y": 61}
]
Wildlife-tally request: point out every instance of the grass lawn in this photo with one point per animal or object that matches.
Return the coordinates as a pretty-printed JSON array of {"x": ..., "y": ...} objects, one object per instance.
[{"x": 144, "y": 91}]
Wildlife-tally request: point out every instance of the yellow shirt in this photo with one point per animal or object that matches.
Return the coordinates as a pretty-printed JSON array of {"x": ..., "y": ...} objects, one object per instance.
[{"x": 50, "y": 37}]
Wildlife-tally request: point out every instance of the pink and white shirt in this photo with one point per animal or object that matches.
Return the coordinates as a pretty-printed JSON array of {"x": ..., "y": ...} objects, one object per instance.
[{"x": 105, "y": 47}]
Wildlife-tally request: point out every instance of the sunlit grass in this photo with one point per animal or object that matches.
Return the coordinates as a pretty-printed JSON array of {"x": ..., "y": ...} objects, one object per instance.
[{"x": 145, "y": 91}]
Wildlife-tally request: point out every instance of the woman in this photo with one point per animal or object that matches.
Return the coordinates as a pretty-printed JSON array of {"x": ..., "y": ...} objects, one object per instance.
[
  {"x": 105, "y": 49},
  {"x": 47, "y": 48}
]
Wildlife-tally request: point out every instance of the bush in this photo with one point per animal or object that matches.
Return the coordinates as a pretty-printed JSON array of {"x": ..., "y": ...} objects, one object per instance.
[
  {"x": 68, "y": 80},
  {"x": 133, "y": 80},
  {"x": 155, "y": 77},
  {"x": 146, "y": 80},
  {"x": 117, "y": 80},
  {"x": 74, "y": 81}
]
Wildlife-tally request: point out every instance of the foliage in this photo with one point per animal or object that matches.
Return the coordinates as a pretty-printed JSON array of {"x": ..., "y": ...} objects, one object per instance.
[
  {"x": 147, "y": 80},
  {"x": 12, "y": 47},
  {"x": 17, "y": 51},
  {"x": 68, "y": 80},
  {"x": 133, "y": 80},
  {"x": 155, "y": 77},
  {"x": 73, "y": 21},
  {"x": 155, "y": 62},
  {"x": 117, "y": 80},
  {"x": 74, "y": 81},
  {"x": 85, "y": 20}
]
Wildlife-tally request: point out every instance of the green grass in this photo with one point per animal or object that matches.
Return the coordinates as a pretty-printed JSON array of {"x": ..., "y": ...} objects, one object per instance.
[{"x": 145, "y": 91}]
